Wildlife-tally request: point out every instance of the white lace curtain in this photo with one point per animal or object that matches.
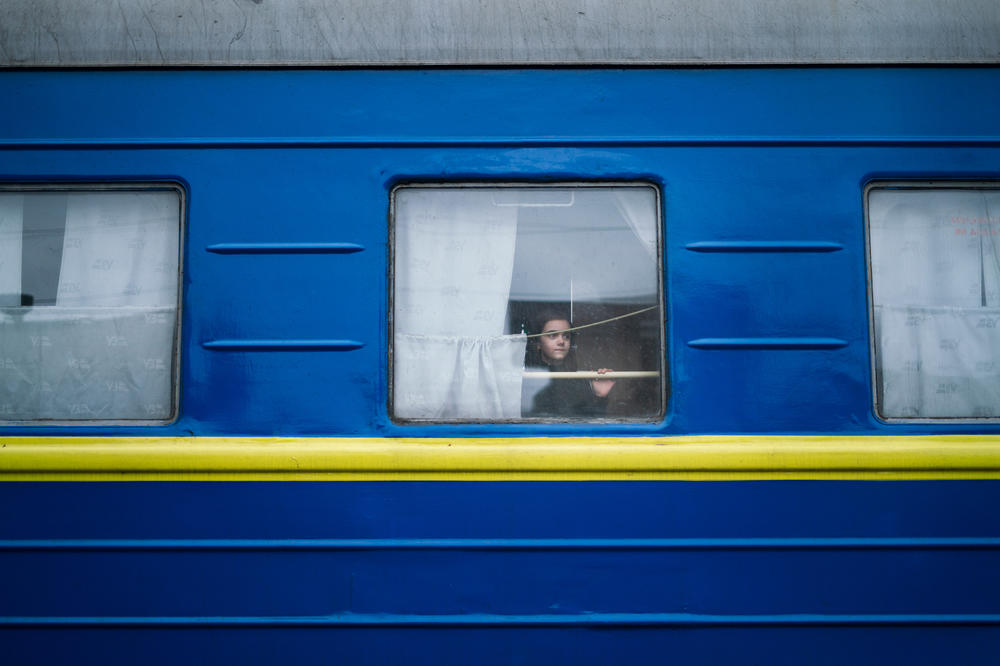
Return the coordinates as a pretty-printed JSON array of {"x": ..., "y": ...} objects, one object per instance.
[
  {"x": 105, "y": 350},
  {"x": 454, "y": 256},
  {"x": 936, "y": 287}
]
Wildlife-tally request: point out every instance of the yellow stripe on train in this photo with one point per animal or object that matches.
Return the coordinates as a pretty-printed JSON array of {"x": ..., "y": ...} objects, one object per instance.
[{"x": 695, "y": 458}]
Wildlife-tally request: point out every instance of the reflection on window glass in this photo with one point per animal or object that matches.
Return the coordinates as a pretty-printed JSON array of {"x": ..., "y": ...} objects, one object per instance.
[
  {"x": 526, "y": 302},
  {"x": 935, "y": 263},
  {"x": 88, "y": 304}
]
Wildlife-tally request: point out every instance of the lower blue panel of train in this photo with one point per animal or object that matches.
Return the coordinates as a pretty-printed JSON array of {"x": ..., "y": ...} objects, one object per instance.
[
  {"x": 881, "y": 645},
  {"x": 500, "y": 572}
]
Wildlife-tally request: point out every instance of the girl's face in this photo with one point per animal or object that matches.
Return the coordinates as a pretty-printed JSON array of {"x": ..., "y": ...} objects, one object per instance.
[{"x": 554, "y": 346}]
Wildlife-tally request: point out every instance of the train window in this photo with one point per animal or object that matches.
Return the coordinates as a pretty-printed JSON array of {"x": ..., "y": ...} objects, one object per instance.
[
  {"x": 935, "y": 280},
  {"x": 516, "y": 302},
  {"x": 89, "y": 287}
]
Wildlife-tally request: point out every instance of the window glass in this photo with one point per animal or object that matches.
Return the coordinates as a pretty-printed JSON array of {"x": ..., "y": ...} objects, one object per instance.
[
  {"x": 935, "y": 267},
  {"x": 515, "y": 302},
  {"x": 88, "y": 304}
]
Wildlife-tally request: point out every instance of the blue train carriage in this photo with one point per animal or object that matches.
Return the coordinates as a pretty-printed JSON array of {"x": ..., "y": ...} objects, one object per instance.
[{"x": 539, "y": 333}]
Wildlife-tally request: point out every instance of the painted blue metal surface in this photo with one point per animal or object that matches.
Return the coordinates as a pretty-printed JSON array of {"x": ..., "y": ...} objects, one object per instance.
[
  {"x": 285, "y": 248},
  {"x": 282, "y": 345},
  {"x": 303, "y": 160},
  {"x": 286, "y": 172},
  {"x": 764, "y": 246},
  {"x": 531, "y": 645},
  {"x": 521, "y": 572}
]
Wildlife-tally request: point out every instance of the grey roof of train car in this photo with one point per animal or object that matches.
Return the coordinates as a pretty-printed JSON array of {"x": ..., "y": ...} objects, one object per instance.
[{"x": 86, "y": 33}]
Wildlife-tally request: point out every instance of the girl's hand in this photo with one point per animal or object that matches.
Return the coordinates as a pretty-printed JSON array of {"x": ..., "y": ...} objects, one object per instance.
[{"x": 602, "y": 387}]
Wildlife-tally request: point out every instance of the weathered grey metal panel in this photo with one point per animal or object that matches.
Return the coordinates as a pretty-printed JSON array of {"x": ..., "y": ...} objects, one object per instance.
[{"x": 42, "y": 33}]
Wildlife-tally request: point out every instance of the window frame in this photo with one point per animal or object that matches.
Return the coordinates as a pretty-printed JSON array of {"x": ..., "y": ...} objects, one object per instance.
[
  {"x": 165, "y": 185},
  {"x": 876, "y": 388},
  {"x": 486, "y": 184}
]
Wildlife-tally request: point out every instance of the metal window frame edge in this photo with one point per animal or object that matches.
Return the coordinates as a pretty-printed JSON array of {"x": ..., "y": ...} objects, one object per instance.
[
  {"x": 144, "y": 185},
  {"x": 486, "y": 184},
  {"x": 918, "y": 184}
]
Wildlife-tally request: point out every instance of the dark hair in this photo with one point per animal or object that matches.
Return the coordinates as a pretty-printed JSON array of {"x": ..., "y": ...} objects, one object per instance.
[
  {"x": 542, "y": 317},
  {"x": 532, "y": 355}
]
